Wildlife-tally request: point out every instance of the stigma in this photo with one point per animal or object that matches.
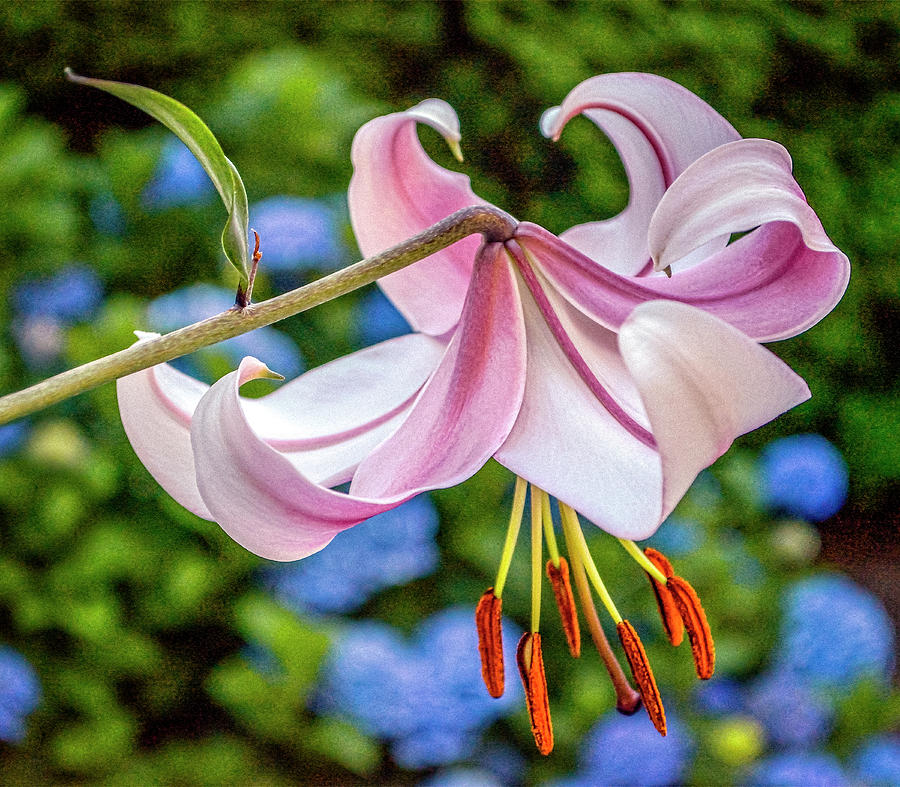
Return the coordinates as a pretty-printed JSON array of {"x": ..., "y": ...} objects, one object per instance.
[{"x": 679, "y": 607}]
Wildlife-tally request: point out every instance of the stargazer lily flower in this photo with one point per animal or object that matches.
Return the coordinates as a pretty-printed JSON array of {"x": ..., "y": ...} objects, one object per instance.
[{"x": 606, "y": 366}]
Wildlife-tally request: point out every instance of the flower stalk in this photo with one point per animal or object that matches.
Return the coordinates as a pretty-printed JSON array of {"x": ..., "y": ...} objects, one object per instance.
[{"x": 491, "y": 222}]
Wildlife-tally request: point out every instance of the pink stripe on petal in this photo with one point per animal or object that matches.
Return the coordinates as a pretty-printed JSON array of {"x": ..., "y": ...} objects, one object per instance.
[
  {"x": 567, "y": 442},
  {"x": 397, "y": 191},
  {"x": 768, "y": 284},
  {"x": 470, "y": 403},
  {"x": 254, "y": 492},
  {"x": 550, "y": 316}
]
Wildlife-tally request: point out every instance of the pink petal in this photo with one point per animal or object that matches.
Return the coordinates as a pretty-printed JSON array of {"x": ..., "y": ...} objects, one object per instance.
[
  {"x": 156, "y": 406},
  {"x": 703, "y": 383},
  {"x": 329, "y": 418},
  {"x": 254, "y": 492},
  {"x": 659, "y": 129},
  {"x": 694, "y": 381},
  {"x": 469, "y": 405},
  {"x": 324, "y": 421},
  {"x": 397, "y": 191},
  {"x": 734, "y": 188},
  {"x": 768, "y": 284},
  {"x": 566, "y": 441}
]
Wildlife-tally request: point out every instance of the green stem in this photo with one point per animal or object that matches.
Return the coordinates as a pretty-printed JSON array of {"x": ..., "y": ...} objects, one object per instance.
[{"x": 494, "y": 224}]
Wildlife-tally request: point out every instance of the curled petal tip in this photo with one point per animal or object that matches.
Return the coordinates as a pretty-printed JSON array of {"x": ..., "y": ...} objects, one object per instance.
[
  {"x": 455, "y": 149},
  {"x": 253, "y": 369},
  {"x": 548, "y": 123}
]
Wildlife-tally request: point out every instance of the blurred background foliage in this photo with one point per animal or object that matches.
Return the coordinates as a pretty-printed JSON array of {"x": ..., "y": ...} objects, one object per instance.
[{"x": 139, "y": 645}]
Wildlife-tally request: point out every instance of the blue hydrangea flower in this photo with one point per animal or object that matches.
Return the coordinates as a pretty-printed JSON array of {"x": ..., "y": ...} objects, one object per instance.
[
  {"x": 677, "y": 536},
  {"x": 44, "y": 308},
  {"x": 425, "y": 696},
  {"x": 12, "y": 436},
  {"x": 804, "y": 475},
  {"x": 199, "y": 301},
  {"x": 71, "y": 295},
  {"x": 20, "y": 693},
  {"x": 378, "y": 320},
  {"x": 878, "y": 761},
  {"x": 627, "y": 750},
  {"x": 791, "y": 713},
  {"x": 461, "y": 777},
  {"x": 799, "y": 769},
  {"x": 179, "y": 179},
  {"x": 834, "y": 633},
  {"x": 296, "y": 234},
  {"x": 719, "y": 697},
  {"x": 392, "y": 548},
  {"x": 106, "y": 215}
]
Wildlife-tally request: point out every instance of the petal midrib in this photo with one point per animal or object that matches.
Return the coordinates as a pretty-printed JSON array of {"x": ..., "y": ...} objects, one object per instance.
[{"x": 574, "y": 357}]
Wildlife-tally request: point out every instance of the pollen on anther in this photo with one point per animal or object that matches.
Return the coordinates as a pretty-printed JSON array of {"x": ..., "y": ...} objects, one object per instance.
[
  {"x": 531, "y": 669},
  {"x": 643, "y": 675},
  {"x": 488, "y": 621},
  {"x": 668, "y": 609},
  {"x": 703, "y": 648},
  {"x": 565, "y": 601}
]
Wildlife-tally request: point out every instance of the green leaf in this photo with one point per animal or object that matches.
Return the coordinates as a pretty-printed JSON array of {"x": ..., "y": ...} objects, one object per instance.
[{"x": 182, "y": 122}]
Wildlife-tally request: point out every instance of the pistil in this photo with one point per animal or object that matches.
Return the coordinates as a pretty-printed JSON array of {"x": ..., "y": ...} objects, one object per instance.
[{"x": 627, "y": 699}]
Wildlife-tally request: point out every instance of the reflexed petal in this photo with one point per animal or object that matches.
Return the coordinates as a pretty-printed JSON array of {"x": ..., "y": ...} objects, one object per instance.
[
  {"x": 324, "y": 421},
  {"x": 156, "y": 406},
  {"x": 659, "y": 128},
  {"x": 734, "y": 188},
  {"x": 768, "y": 284},
  {"x": 703, "y": 383},
  {"x": 470, "y": 403},
  {"x": 254, "y": 492},
  {"x": 397, "y": 191}
]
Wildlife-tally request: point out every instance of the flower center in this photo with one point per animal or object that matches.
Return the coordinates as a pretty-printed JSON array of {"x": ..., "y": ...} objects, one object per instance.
[{"x": 679, "y": 607}]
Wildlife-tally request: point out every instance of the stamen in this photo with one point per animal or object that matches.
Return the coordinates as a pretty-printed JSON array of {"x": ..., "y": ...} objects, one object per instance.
[
  {"x": 562, "y": 592},
  {"x": 490, "y": 641},
  {"x": 534, "y": 680},
  {"x": 668, "y": 609},
  {"x": 537, "y": 558},
  {"x": 644, "y": 561},
  {"x": 703, "y": 648},
  {"x": 512, "y": 534},
  {"x": 643, "y": 675},
  {"x": 582, "y": 548},
  {"x": 552, "y": 548},
  {"x": 627, "y": 699}
]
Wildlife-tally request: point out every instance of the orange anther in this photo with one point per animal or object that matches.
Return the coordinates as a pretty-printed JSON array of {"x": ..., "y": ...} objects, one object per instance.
[
  {"x": 702, "y": 646},
  {"x": 531, "y": 669},
  {"x": 643, "y": 675},
  {"x": 668, "y": 609},
  {"x": 565, "y": 601},
  {"x": 490, "y": 641}
]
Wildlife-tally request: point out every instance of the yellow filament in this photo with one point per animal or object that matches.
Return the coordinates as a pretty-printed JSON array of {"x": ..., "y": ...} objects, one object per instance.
[
  {"x": 537, "y": 559},
  {"x": 642, "y": 560},
  {"x": 575, "y": 534},
  {"x": 512, "y": 534},
  {"x": 552, "y": 548}
]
